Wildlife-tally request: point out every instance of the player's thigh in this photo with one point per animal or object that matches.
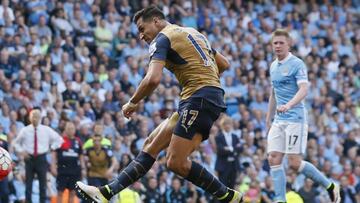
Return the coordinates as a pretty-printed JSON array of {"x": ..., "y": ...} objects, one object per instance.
[
  {"x": 296, "y": 138},
  {"x": 196, "y": 115},
  {"x": 160, "y": 138},
  {"x": 276, "y": 138}
]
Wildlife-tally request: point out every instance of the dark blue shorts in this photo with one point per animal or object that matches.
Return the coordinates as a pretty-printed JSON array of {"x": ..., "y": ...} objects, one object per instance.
[
  {"x": 66, "y": 181},
  {"x": 197, "y": 115}
]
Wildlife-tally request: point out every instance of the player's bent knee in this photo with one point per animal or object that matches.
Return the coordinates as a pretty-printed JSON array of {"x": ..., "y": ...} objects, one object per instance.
[
  {"x": 294, "y": 162},
  {"x": 275, "y": 158}
]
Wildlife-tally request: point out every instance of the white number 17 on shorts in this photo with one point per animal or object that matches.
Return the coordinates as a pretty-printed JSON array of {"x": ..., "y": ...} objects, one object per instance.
[{"x": 287, "y": 137}]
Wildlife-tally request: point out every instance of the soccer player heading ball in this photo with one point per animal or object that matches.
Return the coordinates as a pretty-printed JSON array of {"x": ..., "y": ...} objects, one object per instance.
[{"x": 188, "y": 54}]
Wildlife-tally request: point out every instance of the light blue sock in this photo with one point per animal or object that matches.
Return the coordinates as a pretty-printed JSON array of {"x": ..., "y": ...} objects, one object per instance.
[
  {"x": 314, "y": 174},
  {"x": 279, "y": 180}
]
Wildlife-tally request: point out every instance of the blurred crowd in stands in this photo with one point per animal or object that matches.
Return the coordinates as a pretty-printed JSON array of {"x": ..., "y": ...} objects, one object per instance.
[{"x": 79, "y": 61}]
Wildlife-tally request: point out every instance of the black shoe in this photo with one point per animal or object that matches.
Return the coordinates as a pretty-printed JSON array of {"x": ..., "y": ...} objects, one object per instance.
[{"x": 334, "y": 193}]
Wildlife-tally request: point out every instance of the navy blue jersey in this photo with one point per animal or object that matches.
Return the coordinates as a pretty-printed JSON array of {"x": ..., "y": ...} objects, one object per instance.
[{"x": 68, "y": 156}]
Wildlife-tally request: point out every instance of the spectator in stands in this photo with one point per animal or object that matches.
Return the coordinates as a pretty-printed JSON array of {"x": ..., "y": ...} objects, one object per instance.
[
  {"x": 7, "y": 63},
  {"x": 128, "y": 195},
  {"x": 292, "y": 196},
  {"x": 70, "y": 97},
  {"x": 151, "y": 193},
  {"x": 227, "y": 148},
  {"x": 68, "y": 164},
  {"x": 174, "y": 193},
  {"x": 267, "y": 191},
  {"x": 101, "y": 163},
  {"x": 347, "y": 191},
  {"x": 308, "y": 192}
]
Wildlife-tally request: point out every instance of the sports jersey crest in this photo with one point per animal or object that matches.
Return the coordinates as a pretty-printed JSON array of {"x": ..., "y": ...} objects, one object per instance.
[{"x": 285, "y": 71}]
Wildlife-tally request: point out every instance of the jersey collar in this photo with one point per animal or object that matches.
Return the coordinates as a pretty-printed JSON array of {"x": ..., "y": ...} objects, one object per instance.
[{"x": 285, "y": 59}]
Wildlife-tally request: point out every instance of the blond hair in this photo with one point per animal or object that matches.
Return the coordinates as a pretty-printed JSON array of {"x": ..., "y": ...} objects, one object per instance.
[{"x": 281, "y": 32}]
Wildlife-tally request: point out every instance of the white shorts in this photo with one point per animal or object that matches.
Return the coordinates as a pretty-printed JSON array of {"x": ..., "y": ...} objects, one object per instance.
[{"x": 287, "y": 137}]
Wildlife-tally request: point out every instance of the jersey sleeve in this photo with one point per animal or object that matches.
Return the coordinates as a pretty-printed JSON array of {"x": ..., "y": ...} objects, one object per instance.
[
  {"x": 301, "y": 73},
  {"x": 159, "y": 48}
]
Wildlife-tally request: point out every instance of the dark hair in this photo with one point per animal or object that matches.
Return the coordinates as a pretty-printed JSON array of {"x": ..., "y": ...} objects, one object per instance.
[{"x": 148, "y": 13}]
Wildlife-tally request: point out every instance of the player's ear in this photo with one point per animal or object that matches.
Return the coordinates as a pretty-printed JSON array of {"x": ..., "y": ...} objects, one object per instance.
[{"x": 156, "y": 19}]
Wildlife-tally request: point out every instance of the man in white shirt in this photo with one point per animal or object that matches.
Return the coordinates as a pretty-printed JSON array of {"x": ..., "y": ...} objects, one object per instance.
[{"x": 32, "y": 144}]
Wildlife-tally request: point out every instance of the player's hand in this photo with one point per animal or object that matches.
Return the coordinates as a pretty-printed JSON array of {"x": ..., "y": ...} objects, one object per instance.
[
  {"x": 283, "y": 108},
  {"x": 25, "y": 155},
  {"x": 129, "y": 108}
]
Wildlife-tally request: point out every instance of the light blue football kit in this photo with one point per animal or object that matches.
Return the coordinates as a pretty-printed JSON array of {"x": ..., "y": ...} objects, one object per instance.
[
  {"x": 288, "y": 133},
  {"x": 285, "y": 76}
]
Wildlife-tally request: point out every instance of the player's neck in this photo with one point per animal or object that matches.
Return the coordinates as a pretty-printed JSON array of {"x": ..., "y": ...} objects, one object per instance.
[
  {"x": 282, "y": 57},
  {"x": 163, "y": 24}
]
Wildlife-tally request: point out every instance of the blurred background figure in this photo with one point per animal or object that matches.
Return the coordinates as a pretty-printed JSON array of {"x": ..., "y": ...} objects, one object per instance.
[
  {"x": 33, "y": 143},
  {"x": 101, "y": 164},
  {"x": 68, "y": 164},
  {"x": 347, "y": 191},
  {"x": 227, "y": 149}
]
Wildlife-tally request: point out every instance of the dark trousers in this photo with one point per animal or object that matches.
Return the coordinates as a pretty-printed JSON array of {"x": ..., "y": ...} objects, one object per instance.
[
  {"x": 228, "y": 175},
  {"x": 36, "y": 165},
  {"x": 4, "y": 191}
]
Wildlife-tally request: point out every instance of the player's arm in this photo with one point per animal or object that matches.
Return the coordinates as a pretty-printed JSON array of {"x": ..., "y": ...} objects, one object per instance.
[
  {"x": 221, "y": 62},
  {"x": 149, "y": 83},
  {"x": 158, "y": 54},
  {"x": 300, "y": 94},
  {"x": 303, "y": 85},
  {"x": 271, "y": 108}
]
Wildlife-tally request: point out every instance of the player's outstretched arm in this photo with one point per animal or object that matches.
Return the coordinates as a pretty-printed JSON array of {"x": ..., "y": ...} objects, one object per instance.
[
  {"x": 146, "y": 87},
  {"x": 222, "y": 62}
]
